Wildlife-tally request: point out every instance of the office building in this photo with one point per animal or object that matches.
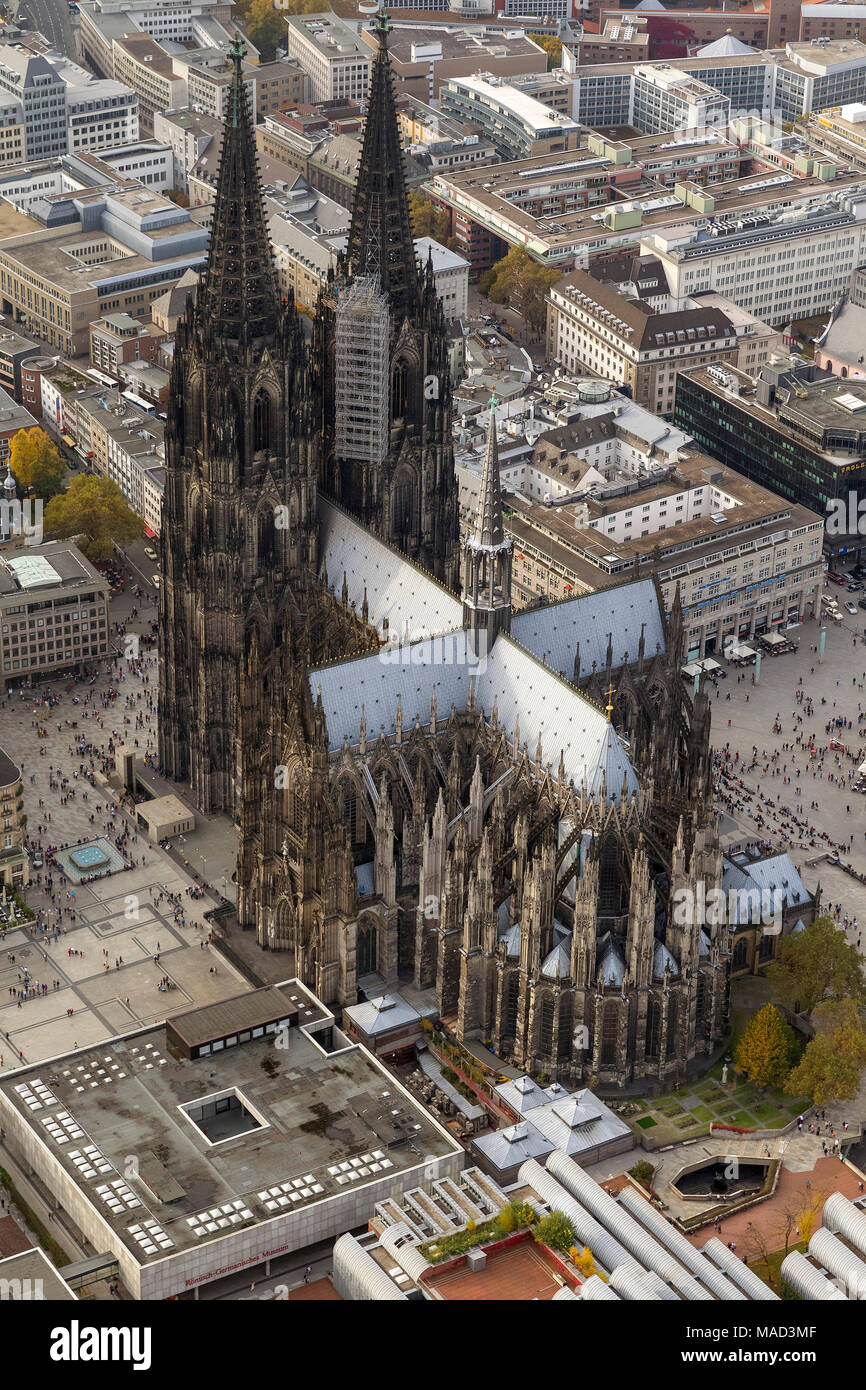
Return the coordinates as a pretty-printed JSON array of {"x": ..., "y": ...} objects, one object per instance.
[
  {"x": 53, "y": 611},
  {"x": 437, "y": 141},
  {"x": 141, "y": 63},
  {"x": 621, "y": 324},
  {"x": 331, "y": 54},
  {"x": 177, "y": 23},
  {"x": 519, "y": 126},
  {"x": 31, "y": 80},
  {"x": 792, "y": 428},
  {"x": 41, "y": 283},
  {"x": 623, "y": 39},
  {"x": 119, "y": 338},
  {"x": 780, "y": 265},
  {"x": 207, "y": 73},
  {"x": 614, "y": 493},
  {"x": 602, "y": 199},
  {"x": 280, "y": 83},
  {"x": 125, "y": 443},
  {"x": 188, "y": 134},
  {"x": 100, "y": 112},
  {"x": 423, "y": 56},
  {"x": 820, "y": 74}
]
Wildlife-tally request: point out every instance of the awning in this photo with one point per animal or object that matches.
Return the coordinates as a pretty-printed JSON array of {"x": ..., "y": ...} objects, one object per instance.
[
  {"x": 151, "y": 535},
  {"x": 68, "y": 441}
]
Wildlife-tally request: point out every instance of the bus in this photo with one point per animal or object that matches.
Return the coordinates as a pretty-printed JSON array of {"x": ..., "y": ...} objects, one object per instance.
[
  {"x": 139, "y": 402},
  {"x": 101, "y": 378}
]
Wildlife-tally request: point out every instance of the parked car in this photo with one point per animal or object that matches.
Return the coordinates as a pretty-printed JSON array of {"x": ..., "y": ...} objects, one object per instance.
[
  {"x": 862, "y": 603},
  {"x": 837, "y": 578},
  {"x": 36, "y": 859},
  {"x": 851, "y": 608},
  {"x": 157, "y": 580},
  {"x": 150, "y": 553},
  {"x": 854, "y": 588}
]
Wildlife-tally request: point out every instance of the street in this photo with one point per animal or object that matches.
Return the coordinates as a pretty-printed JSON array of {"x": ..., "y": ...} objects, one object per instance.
[{"x": 52, "y": 18}]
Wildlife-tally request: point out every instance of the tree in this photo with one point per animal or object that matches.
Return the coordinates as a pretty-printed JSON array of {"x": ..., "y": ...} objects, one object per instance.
[
  {"x": 36, "y": 463},
  {"x": 516, "y": 1216},
  {"x": 583, "y": 1261},
  {"x": 761, "y": 1247},
  {"x": 96, "y": 509},
  {"x": 832, "y": 1062},
  {"x": 523, "y": 283},
  {"x": 427, "y": 219},
  {"x": 765, "y": 1049},
  {"x": 265, "y": 26},
  {"x": 555, "y": 1231},
  {"x": 552, "y": 47},
  {"x": 816, "y": 964}
]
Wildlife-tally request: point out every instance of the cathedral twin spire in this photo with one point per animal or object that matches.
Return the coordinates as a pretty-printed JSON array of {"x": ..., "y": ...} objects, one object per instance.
[
  {"x": 380, "y": 236},
  {"x": 238, "y": 300}
]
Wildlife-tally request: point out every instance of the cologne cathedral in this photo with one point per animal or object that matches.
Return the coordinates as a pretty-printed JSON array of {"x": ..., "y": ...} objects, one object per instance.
[{"x": 431, "y": 792}]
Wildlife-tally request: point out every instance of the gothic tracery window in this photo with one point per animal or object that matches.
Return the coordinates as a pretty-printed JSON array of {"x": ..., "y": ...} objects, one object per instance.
[
  {"x": 262, "y": 421},
  {"x": 609, "y": 1033}
]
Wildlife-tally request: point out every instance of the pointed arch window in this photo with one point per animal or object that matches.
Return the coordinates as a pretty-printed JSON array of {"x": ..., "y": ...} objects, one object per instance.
[
  {"x": 403, "y": 508},
  {"x": 512, "y": 991},
  {"x": 653, "y": 1028},
  {"x": 673, "y": 1022},
  {"x": 262, "y": 422},
  {"x": 295, "y": 806},
  {"x": 400, "y": 392},
  {"x": 266, "y": 535},
  {"x": 609, "y": 1035},
  {"x": 546, "y": 1027}
]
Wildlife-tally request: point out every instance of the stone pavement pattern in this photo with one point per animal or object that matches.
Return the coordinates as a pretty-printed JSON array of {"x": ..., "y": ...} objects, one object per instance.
[{"x": 119, "y": 914}]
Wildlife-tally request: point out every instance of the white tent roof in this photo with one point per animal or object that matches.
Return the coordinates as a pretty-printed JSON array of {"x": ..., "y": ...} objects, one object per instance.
[{"x": 725, "y": 47}]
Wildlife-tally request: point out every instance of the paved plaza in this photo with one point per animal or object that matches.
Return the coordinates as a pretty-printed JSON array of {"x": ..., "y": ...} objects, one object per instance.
[
  {"x": 122, "y": 921},
  {"x": 793, "y": 824}
]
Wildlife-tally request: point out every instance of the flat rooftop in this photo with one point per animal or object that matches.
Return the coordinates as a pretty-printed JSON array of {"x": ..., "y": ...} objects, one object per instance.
[
  {"x": 514, "y": 1273},
  {"x": 488, "y": 193},
  {"x": 66, "y": 567},
  {"x": 319, "y": 1124},
  {"x": 34, "y": 1267},
  {"x": 144, "y": 49},
  {"x": 51, "y": 260},
  {"x": 197, "y": 1026},
  {"x": 821, "y": 405},
  {"x": 462, "y": 42}
]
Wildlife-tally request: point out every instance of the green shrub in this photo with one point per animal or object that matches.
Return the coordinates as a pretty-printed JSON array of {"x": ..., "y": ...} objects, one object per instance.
[
  {"x": 642, "y": 1172},
  {"x": 555, "y": 1230}
]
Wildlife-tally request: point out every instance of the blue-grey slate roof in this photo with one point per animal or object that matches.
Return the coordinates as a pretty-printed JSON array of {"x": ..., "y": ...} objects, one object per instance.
[{"x": 587, "y": 619}]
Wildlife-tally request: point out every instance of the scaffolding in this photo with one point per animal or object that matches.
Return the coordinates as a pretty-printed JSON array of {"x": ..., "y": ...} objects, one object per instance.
[{"x": 361, "y": 371}]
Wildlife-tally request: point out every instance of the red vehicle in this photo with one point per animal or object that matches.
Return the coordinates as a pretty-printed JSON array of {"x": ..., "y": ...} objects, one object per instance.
[{"x": 837, "y": 578}]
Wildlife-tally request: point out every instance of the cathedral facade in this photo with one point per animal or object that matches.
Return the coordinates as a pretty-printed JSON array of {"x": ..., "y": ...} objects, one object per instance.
[{"x": 429, "y": 789}]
